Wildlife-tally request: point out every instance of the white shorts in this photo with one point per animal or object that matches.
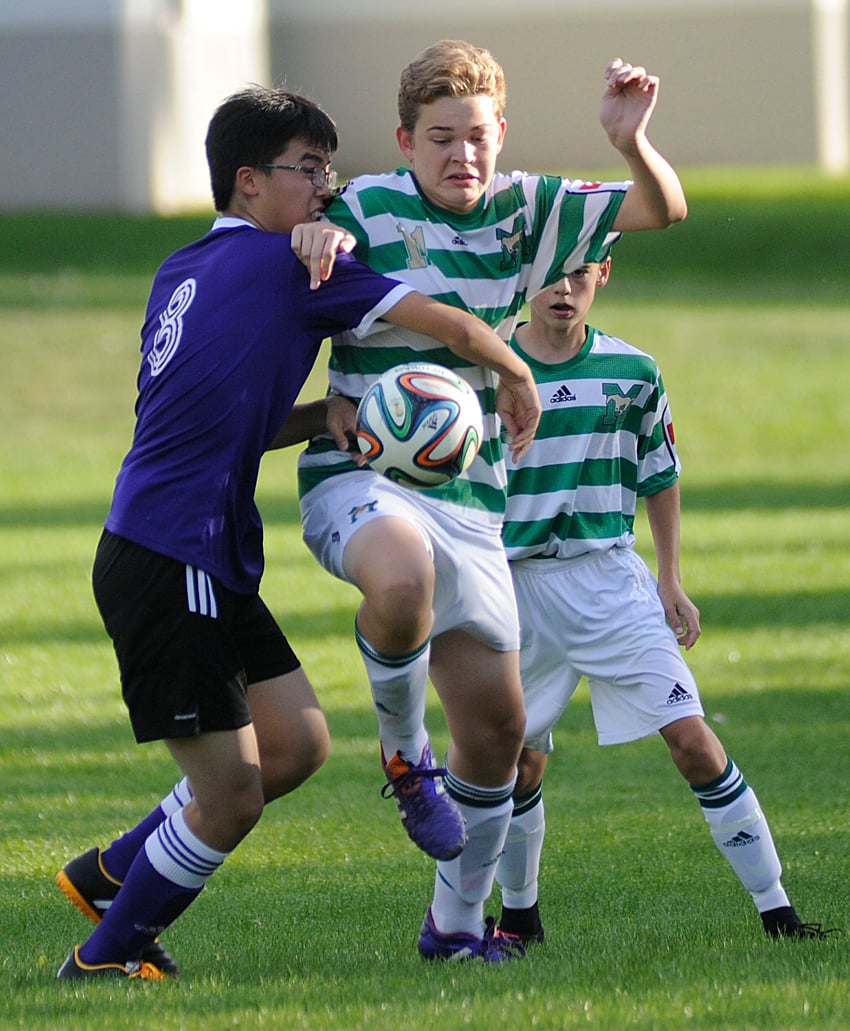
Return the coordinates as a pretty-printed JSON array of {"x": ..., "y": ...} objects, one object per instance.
[
  {"x": 473, "y": 590},
  {"x": 599, "y": 616}
]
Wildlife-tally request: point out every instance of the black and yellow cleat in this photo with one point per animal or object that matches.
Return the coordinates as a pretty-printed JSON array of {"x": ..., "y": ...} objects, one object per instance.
[
  {"x": 85, "y": 883},
  {"x": 74, "y": 969}
]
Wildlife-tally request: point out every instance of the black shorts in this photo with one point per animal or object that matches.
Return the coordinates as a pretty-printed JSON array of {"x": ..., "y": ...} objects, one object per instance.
[{"x": 187, "y": 647}]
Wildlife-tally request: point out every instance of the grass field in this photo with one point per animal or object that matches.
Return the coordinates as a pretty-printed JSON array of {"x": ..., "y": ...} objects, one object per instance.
[{"x": 312, "y": 923}]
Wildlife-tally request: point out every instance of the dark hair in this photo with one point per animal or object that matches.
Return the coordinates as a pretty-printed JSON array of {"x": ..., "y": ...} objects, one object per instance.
[{"x": 253, "y": 126}]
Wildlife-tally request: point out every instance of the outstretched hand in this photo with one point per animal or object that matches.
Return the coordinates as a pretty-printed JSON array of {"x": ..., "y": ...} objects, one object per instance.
[
  {"x": 627, "y": 103},
  {"x": 518, "y": 406},
  {"x": 316, "y": 245}
]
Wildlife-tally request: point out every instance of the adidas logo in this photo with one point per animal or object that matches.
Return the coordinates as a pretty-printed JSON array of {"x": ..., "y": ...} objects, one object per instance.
[
  {"x": 679, "y": 694},
  {"x": 460, "y": 955},
  {"x": 741, "y": 839},
  {"x": 561, "y": 395},
  {"x": 459, "y": 241}
]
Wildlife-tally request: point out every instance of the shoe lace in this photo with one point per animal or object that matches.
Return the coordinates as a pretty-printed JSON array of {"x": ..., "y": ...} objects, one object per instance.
[
  {"x": 410, "y": 780},
  {"x": 499, "y": 945},
  {"x": 815, "y": 931}
]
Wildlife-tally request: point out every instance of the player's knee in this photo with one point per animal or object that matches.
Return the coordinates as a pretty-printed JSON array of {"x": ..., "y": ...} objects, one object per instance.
[
  {"x": 402, "y": 593},
  {"x": 695, "y": 749},
  {"x": 288, "y": 770},
  {"x": 314, "y": 753},
  {"x": 506, "y": 731}
]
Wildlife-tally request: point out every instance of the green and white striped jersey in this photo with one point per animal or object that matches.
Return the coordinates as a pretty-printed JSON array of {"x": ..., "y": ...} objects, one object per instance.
[
  {"x": 605, "y": 439},
  {"x": 523, "y": 233}
]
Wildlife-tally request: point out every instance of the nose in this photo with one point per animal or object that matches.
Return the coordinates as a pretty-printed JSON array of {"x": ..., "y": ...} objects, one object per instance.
[
  {"x": 563, "y": 286},
  {"x": 464, "y": 151}
]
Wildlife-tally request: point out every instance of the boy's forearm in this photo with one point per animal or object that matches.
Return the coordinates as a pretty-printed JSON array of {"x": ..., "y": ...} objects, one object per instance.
[
  {"x": 303, "y": 422},
  {"x": 663, "y": 513},
  {"x": 466, "y": 336},
  {"x": 656, "y": 199}
]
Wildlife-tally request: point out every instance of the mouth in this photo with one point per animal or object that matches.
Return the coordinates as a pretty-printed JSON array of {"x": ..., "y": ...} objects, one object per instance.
[{"x": 564, "y": 310}]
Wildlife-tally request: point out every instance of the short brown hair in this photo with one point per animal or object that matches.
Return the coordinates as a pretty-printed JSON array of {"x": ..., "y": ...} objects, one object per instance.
[{"x": 450, "y": 68}]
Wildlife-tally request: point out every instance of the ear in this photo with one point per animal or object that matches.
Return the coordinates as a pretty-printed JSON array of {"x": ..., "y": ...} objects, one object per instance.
[
  {"x": 604, "y": 272},
  {"x": 404, "y": 139},
  {"x": 246, "y": 181}
]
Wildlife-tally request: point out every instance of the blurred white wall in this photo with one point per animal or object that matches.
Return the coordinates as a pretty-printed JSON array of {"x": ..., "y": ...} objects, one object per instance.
[
  {"x": 743, "y": 81},
  {"x": 106, "y": 102}
]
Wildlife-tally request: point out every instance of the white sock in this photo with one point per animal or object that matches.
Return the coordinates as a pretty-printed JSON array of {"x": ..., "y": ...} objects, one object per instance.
[
  {"x": 742, "y": 835},
  {"x": 519, "y": 867},
  {"x": 398, "y": 686},
  {"x": 180, "y": 856},
  {"x": 180, "y": 795},
  {"x": 464, "y": 884}
]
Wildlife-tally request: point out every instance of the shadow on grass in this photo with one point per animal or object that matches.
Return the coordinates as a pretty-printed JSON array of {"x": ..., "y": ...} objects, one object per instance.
[
  {"x": 61, "y": 514},
  {"x": 749, "y": 610},
  {"x": 282, "y": 509},
  {"x": 770, "y": 497},
  {"x": 334, "y": 619},
  {"x": 735, "y": 611}
]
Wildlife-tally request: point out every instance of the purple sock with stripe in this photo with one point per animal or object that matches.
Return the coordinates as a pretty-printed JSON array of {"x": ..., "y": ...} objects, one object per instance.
[
  {"x": 119, "y": 856},
  {"x": 164, "y": 879}
]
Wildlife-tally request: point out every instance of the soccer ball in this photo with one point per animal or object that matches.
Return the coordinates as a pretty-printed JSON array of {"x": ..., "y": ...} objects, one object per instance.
[{"x": 420, "y": 424}]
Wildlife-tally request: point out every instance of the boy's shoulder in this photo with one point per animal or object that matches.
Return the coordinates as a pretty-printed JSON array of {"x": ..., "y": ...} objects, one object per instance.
[{"x": 606, "y": 343}]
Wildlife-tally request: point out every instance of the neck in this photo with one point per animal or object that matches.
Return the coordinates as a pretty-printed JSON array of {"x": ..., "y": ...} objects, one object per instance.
[
  {"x": 551, "y": 346},
  {"x": 241, "y": 211}
]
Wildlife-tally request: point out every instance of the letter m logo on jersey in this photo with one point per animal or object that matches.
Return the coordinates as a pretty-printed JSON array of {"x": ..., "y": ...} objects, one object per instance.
[{"x": 617, "y": 402}]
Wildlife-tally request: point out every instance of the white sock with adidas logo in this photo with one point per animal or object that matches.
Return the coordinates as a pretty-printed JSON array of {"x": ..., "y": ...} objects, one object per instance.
[{"x": 741, "y": 833}]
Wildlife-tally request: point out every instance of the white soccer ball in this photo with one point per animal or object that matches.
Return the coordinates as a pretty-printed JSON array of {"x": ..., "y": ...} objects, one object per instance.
[{"x": 420, "y": 424}]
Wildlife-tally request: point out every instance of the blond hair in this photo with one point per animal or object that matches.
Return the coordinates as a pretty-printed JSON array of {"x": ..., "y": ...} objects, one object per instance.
[{"x": 450, "y": 68}]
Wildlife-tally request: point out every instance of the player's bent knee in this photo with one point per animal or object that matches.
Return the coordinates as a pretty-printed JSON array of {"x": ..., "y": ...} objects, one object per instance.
[{"x": 287, "y": 773}]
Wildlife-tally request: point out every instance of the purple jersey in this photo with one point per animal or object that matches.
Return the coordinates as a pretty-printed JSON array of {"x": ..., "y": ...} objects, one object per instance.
[{"x": 231, "y": 333}]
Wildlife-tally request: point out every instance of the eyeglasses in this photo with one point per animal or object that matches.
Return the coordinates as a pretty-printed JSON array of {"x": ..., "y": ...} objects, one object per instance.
[{"x": 318, "y": 176}]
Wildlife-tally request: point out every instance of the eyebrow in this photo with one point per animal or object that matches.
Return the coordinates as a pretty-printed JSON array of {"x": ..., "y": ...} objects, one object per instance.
[
  {"x": 310, "y": 155},
  {"x": 454, "y": 128}
]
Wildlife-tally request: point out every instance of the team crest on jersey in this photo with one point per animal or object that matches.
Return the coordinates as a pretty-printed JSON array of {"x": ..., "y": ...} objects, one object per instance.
[
  {"x": 170, "y": 331},
  {"x": 514, "y": 243},
  {"x": 358, "y": 510},
  {"x": 617, "y": 402}
]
